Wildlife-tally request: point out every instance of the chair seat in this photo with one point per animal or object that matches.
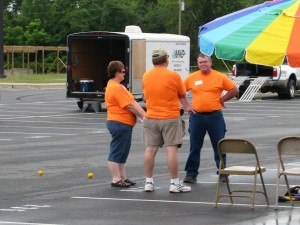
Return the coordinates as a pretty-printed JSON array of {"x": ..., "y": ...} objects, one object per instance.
[
  {"x": 241, "y": 170},
  {"x": 292, "y": 171}
]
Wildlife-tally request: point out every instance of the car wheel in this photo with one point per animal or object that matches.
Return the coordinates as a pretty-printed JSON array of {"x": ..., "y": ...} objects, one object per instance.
[
  {"x": 291, "y": 89},
  {"x": 289, "y": 92}
]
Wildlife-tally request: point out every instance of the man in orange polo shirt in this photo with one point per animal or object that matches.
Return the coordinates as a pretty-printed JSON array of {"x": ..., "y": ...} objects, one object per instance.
[
  {"x": 206, "y": 86},
  {"x": 163, "y": 91}
]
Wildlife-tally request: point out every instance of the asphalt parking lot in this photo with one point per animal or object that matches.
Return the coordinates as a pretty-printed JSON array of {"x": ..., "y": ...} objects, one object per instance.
[{"x": 43, "y": 130}]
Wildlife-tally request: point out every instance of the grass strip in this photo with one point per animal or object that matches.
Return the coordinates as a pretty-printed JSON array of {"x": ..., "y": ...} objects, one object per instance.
[{"x": 35, "y": 78}]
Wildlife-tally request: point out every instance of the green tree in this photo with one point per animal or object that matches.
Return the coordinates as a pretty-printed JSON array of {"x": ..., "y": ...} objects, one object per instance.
[
  {"x": 69, "y": 16},
  {"x": 116, "y": 15},
  {"x": 36, "y": 9},
  {"x": 35, "y": 35},
  {"x": 13, "y": 28},
  {"x": 14, "y": 35},
  {"x": 13, "y": 5},
  {"x": 146, "y": 14}
]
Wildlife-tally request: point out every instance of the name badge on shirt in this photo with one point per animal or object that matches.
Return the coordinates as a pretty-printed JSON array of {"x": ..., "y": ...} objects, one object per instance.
[{"x": 198, "y": 82}]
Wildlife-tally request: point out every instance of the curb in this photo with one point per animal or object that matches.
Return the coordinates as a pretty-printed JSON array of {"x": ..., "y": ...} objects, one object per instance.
[{"x": 33, "y": 86}]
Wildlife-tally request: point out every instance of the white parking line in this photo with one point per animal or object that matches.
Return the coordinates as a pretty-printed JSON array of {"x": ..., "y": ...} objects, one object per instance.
[
  {"x": 24, "y": 208},
  {"x": 37, "y": 137},
  {"x": 59, "y": 116},
  {"x": 21, "y": 223},
  {"x": 182, "y": 202},
  {"x": 61, "y": 128},
  {"x": 3, "y": 132}
]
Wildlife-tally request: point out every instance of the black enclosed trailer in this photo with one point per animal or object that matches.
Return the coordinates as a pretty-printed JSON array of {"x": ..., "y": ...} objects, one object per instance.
[{"x": 89, "y": 54}]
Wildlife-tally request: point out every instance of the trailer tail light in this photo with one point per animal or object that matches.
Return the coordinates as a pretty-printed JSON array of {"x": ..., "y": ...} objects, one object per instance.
[{"x": 275, "y": 72}]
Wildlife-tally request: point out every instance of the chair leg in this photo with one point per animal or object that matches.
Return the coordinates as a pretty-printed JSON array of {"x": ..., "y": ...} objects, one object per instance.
[
  {"x": 229, "y": 190},
  {"x": 217, "y": 191},
  {"x": 264, "y": 187},
  {"x": 288, "y": 188},
  {"x": 254, "y": 190},
  {"x": 277, "y": 189}
]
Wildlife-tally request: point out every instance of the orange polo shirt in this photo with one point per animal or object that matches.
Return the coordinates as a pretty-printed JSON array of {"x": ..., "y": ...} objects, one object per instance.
[
  {"x": 162, "y": 88},
  {"x": 207, "y": 89},
  {"x": 117, "y": 97}
]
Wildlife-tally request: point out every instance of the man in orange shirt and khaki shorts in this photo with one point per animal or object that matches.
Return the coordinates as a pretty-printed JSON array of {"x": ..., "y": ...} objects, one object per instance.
[{"x": 163, "y": 92}]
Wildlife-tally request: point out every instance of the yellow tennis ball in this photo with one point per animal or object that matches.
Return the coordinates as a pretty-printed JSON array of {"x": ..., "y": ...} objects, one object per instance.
[
  {"x": 40, "y": 172},
  {"x": 90, "y": 175}
]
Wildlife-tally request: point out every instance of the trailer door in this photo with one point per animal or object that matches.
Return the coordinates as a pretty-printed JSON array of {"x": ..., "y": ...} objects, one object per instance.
[{"x": 138, "y": 60}]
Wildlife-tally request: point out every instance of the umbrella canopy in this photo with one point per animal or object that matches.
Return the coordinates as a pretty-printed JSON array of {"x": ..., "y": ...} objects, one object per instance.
[{"x": 262, "y": 34}]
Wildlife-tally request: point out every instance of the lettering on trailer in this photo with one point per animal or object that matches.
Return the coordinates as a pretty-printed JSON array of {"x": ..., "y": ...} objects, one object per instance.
[{"x": 178, "y": 54}]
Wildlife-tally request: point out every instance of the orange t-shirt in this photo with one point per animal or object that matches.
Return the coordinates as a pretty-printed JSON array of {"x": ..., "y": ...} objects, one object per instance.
[
  {"x": 117, "y": 97},
  {"x": 207, "y": 89},
  {"x": 162, "y": 88}
]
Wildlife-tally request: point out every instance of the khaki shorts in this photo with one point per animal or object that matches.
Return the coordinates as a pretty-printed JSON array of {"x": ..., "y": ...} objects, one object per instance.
[{"x": 162, "y": 133}]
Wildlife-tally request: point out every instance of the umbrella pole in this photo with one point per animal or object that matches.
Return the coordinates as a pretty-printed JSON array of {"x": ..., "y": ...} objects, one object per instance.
[{"x": 226, "y": 66}]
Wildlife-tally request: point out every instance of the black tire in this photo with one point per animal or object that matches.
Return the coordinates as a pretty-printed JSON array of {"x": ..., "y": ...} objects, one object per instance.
[
  {"x": 291, "y": 89},
  {"x": 80, "y": 104},
  {"x": 89, "y": 108},
  {"x": 240, "y": 94},
  {"x": 289, "y": 92}
]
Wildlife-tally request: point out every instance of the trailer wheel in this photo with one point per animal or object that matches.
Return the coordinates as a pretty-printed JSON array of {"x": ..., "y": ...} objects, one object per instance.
[{"x": 80, "y": 104}]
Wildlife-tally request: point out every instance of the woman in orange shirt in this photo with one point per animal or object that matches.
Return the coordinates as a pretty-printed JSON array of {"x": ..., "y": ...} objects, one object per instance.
[{"x": 122, "y": 110}]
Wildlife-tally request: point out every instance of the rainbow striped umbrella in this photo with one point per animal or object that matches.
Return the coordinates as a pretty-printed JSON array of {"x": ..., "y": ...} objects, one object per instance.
[{"x": 262, "y": 34}]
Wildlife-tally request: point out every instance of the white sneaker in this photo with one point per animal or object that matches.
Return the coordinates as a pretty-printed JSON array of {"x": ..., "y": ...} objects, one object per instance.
[
  {"x": 176, "y": 188},
  {"x": 149, "y": 187}
]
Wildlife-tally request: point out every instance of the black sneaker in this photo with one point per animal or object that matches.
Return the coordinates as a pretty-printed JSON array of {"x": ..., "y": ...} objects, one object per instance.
[
  {"x": 224, "y": 177},
  {"x": 190, "y": 179}
]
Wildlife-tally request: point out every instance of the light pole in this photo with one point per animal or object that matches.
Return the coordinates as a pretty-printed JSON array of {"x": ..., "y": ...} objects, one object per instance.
[
  {"x": 1, "y": 41},
  {"x": 181, "y": 8}
]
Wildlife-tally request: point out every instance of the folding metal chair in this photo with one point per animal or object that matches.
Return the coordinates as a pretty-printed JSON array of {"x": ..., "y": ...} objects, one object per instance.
[
  {"x": 287, "y": 147},
  {"x": 230, "y": 147}
]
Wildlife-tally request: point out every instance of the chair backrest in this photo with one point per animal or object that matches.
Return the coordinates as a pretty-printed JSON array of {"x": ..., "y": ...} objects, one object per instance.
[
  {"x": 289, "y": 146},
  {"x": 234, "y": 145}
]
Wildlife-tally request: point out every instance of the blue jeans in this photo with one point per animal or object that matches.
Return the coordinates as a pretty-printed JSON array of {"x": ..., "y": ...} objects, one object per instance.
[
  {"x": 121, "y": 141},
  {"x": 212, "y": 123}
]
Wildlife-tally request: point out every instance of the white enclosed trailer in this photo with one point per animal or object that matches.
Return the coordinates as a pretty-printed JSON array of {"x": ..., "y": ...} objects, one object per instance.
[{"x": 89, "y": 54}]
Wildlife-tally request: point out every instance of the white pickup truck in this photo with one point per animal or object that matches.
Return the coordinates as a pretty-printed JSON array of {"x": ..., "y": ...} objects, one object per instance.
[{"x": 283, "y": 80}]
